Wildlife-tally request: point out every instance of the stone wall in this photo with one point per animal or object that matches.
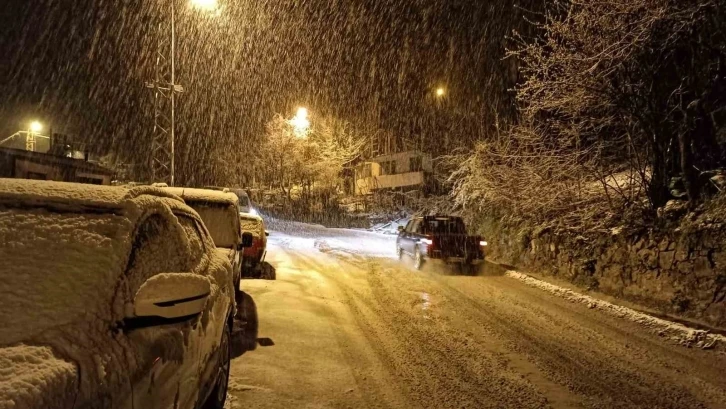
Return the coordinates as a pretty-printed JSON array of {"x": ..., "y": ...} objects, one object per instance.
[{"x": 677, "y": 267}]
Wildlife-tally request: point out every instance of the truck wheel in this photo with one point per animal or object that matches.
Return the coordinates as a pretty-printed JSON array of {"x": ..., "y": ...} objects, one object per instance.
[
  {"x": 466, "y": 268},
  {"x": 418, "y": 259},
  {"x": 219, "y": 395}
]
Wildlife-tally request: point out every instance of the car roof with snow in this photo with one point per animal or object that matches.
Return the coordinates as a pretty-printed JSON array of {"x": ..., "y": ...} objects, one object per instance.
[
  {"x": 250, "y": 216},
  {"x": 73, "y": 195},
  {"x": 203, "y": 195}
]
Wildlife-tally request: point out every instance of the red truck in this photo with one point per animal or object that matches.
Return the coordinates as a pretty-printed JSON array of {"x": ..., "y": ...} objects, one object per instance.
[{"x": 440, "y": 238}]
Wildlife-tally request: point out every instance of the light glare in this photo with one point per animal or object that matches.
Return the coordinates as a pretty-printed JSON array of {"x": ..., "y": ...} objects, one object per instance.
[
  {"x": 300, "y": 122},
  {"x": 36, "y": 126},
  {"x": 209, "y": 5}
]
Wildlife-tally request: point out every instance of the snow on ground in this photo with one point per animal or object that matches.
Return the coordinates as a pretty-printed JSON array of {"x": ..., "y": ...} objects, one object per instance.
[
  {"x": 360, "y": 331},
  {"x": 679, "y": 333},
  {"x": 358, "y": 244},
  {"x": 302, "y": 236}
]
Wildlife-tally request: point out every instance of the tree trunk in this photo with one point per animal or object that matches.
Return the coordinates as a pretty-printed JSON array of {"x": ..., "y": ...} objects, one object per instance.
[
  {"x": 658, "y": 189},
  {"x": 690, "y": 176}
]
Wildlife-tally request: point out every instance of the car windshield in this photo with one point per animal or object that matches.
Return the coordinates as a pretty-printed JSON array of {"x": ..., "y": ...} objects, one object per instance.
[
  {"x": 57, "y": 267},
  {"x": 244, "y": 201},
  {"x": 445, "y": 225},
  {"x": 221, "y": 221}
]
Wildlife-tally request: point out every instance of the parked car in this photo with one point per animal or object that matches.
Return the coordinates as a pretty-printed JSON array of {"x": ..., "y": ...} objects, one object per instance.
[
  {"x": 219, "y": 211},
  {"x": 245, "y": 204},
  {"x": 255, "y": 254},
  {"x": 111, "y": 297},
  {"x": 440, "y": 238}
]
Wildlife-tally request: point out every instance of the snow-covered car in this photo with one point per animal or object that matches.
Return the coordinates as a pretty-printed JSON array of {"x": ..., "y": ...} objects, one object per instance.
[
  {"x": 111, "y": 298},
  {"x": 219, "y": 211},
  {"x": 255, "y": 254},
  {"x": 245, "y": 204}
]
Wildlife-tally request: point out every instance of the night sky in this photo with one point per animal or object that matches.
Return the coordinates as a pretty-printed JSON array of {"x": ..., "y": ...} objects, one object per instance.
[{"x": 81, "y": 65}]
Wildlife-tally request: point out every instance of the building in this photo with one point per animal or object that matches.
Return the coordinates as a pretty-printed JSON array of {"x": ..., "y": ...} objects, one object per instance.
[
  {"x": 58, "y": 145},
  {"x": 404, "y": 171},
  {"x": 23, "y": 164}
]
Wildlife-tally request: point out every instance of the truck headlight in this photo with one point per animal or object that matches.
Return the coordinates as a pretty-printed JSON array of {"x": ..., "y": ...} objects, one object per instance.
[{"x": 483, "y": 243}]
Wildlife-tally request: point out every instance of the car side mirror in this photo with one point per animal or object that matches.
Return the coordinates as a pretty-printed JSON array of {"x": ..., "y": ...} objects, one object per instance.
[
  {"x": 172, "y": 296},
  {"x": 246, "y": 240},
  {"x": 400, "y": 229},
  {"x": 267, "y": 233}
]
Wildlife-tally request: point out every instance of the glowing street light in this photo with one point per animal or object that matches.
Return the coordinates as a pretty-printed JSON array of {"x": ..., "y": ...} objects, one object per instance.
[
  {"x": 208, "y": 5},
  {"x": 300, "y": 122},
  {"x": 440, "y": 92},
  {"x": 36, "y": 127}
]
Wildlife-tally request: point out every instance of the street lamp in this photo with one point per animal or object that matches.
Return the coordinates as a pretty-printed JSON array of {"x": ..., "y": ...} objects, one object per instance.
[
  {"x": 207, "y": 5},
  {"x": 36, "y": 127},
  {"x": 440, "y": 92},
  {"x": 300, "y": 122}
]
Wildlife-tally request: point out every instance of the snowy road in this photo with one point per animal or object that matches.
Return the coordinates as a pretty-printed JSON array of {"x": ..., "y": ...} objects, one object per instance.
[{"x": 354, "y": 328}]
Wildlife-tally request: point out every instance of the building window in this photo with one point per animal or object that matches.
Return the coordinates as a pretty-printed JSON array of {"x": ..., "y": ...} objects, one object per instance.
[
  {"x": 415, "y": 164},
  {"x": 388, "y": 168},
  {"x": 365, "y": 171}
]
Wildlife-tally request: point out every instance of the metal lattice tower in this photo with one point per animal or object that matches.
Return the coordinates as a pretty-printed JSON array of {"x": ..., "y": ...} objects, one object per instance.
[
  {"x": 165, "y": 90},
  {"x": 30, "y": 142}
]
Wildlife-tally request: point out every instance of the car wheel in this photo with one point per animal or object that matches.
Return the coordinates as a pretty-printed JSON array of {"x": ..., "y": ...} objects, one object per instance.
[
  {"x": 238, "y": 281},
  {"x": 219, "y": 394},
  {"x": 399, "y": 252},
  {"x": 418, "y": 259}
]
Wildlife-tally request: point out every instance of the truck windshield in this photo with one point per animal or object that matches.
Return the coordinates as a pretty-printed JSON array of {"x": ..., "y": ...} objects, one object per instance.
[{"x": 446, "y": 225}]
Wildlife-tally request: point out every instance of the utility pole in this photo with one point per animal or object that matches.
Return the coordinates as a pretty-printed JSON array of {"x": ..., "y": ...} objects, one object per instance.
[{"x": 165, "y": 89}]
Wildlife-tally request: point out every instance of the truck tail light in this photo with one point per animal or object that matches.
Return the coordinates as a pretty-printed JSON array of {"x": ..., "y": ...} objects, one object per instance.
[{"x": 431, "y": 245}]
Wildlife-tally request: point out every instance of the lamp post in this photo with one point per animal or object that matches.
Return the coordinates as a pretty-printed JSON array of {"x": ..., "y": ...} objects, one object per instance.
[{"x": 165, "y": 90}]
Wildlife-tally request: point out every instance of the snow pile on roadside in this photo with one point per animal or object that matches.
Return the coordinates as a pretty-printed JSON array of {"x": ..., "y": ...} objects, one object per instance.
[
  {"x": 679, "y": 333},
  {"x": 32, "y": 377}
]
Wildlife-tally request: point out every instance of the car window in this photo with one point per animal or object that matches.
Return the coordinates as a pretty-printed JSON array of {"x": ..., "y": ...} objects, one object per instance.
[
  {"x": 196, "y": 243},
  {"x": 221, "y": 220},
  {"x": 408, "y": 226},
  {"x": 207, "y": 240},
  {"x": 244, "y": 201},
  {"x": 450, "y": 225},
  {"x": 157, "y": 248},
  {"x": 64, "y": 266},
  {"x": 416, "y": 228}
]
